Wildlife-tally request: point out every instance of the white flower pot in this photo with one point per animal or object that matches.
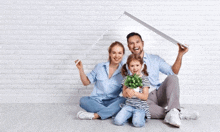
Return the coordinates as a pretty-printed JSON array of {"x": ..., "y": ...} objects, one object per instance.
[{"x": 136, "y": 89}]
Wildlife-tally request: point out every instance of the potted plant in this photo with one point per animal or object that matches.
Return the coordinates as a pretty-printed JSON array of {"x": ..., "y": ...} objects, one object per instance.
[{"x": 133, "y": 82}]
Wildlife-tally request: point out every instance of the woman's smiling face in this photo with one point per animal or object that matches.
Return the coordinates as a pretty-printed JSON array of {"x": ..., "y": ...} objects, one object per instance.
[{"x": 116, "y": 54}]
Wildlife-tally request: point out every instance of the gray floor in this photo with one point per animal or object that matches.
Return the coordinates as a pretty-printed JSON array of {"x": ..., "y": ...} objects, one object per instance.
[{"x": 62, "y": 118}]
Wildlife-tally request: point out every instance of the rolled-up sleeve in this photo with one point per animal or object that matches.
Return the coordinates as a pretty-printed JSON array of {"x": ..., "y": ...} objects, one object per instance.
[
  {"x": 92, "y": 75},
  {"x": 164, "y": 67}
]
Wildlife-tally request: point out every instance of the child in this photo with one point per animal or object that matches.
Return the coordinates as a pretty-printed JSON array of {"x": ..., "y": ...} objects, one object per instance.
[{"x": 136, "y": 105}]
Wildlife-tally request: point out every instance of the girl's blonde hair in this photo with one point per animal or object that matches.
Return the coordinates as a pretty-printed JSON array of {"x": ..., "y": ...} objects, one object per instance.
[{"x": 132, "y": 57}]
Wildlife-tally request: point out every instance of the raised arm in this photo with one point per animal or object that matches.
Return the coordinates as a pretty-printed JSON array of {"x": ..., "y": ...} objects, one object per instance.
[
  {"x": 82, "y": 74},
  {"x": 177, "y": 64}
]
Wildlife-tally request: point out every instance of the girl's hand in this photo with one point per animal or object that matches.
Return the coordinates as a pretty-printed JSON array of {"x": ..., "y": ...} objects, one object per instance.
[
  {"x": 130, "y": 92},
  {"x": 79, "y": 65}
]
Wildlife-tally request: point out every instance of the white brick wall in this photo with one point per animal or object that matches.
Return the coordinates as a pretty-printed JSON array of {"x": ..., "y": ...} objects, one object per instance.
[{"x": 39, "y": 41}]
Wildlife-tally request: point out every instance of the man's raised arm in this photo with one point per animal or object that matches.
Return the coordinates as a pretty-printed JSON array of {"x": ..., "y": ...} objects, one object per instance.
[{"x": 176, "y": 66}]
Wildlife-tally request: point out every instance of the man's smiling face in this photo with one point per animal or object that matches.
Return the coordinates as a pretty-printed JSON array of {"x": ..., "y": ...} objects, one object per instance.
[{"x": 135, "y": 45}]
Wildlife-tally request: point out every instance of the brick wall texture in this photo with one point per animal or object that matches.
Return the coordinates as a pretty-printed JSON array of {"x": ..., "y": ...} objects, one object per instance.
[{"x": 40, "y": 39}]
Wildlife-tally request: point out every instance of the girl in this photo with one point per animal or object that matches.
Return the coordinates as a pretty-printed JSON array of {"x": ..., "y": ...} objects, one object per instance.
[
  {"x": 136, "y": 106},
  {"x": 104, "y": 100}
]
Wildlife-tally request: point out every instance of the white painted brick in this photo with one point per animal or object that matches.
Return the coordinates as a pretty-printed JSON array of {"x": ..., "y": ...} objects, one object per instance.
[{"x": 39, "y": 41}]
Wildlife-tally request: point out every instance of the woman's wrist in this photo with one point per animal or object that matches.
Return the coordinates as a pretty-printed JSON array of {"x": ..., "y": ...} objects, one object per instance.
[{"x": 81, "y": 70}]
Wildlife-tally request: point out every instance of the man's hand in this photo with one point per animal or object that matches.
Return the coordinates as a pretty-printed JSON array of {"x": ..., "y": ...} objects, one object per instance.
[
  {"x": 182, "y": 49},
  {"x": 176, "y": 66}
]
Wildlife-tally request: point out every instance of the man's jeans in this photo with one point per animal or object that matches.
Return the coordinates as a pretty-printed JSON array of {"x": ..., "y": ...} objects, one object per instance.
[
  {"x": 126, "y": 112},
  {"x": 106, "y": 109}
]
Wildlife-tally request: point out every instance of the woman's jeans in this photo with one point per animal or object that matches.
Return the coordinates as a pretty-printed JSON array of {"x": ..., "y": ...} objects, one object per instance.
[
  {"x": 138, "y": 116},
  {"x": 106, "y": 109}
]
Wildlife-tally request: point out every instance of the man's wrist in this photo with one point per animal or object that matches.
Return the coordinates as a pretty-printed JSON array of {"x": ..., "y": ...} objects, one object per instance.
[{"x": 180, "y": 55}]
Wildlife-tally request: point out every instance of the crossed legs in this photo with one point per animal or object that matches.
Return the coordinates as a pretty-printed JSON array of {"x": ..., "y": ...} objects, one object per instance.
[{"x": 104, "y": 110}]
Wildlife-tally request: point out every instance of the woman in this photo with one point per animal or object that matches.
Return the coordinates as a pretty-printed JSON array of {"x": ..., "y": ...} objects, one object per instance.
[{"x": 104, "y": 100}]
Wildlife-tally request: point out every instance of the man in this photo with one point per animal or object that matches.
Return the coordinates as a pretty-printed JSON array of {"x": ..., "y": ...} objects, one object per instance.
[{"x": 166, "y": 94}]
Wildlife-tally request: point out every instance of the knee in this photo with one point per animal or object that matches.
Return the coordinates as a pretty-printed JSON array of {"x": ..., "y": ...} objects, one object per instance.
[
  {"x": 138, "y": 123},
  {"x": 138, "y": 119},
  {"x": 172, "y": 78},
  {"x": 118, "y": 121},
  {"x": 83, "y": 101}
]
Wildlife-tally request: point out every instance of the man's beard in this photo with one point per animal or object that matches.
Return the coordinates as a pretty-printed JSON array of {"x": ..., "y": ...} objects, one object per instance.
[{"x": 138, "y": 53}]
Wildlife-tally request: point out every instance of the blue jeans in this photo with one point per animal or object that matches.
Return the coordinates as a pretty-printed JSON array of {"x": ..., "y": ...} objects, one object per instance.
[
  {"x": 106, "y": 109},
  {"x": 126, "y": 112}
]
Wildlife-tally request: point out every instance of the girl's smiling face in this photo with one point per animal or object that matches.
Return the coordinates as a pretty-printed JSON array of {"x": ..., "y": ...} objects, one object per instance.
[{"x": 135, "y": 67}]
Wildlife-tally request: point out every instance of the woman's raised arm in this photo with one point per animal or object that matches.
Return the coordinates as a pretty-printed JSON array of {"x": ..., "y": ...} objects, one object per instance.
[{"x": 82, "y": 74}]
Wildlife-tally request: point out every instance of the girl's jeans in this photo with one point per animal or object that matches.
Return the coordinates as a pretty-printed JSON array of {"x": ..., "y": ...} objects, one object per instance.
[
  {"x": 106, "y": 109},
  {"x": 126, "y": 112}
]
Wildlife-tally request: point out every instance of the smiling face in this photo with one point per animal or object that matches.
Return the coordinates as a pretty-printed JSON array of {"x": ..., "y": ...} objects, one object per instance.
[
  {"x": 135, "y": 45},
  {"x": 116, "y": 54},
  {"x": 135, "y": 67}
]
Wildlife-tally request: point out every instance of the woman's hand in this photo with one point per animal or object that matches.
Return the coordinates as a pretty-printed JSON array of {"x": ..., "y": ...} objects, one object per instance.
[
  {"x": 79, "y": 64},
  {"x": 83, "y": 76}
]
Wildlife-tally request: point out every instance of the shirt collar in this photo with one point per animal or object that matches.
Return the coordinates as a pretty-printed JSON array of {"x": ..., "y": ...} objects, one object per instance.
[
  {"x": 145, "y": 55},
  {"x": 146, "y": 58},
  {"x": 106, "y": 65}
]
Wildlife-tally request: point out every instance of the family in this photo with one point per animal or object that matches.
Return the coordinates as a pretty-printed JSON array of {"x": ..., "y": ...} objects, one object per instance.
[{"x": 136, "y": 106}]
